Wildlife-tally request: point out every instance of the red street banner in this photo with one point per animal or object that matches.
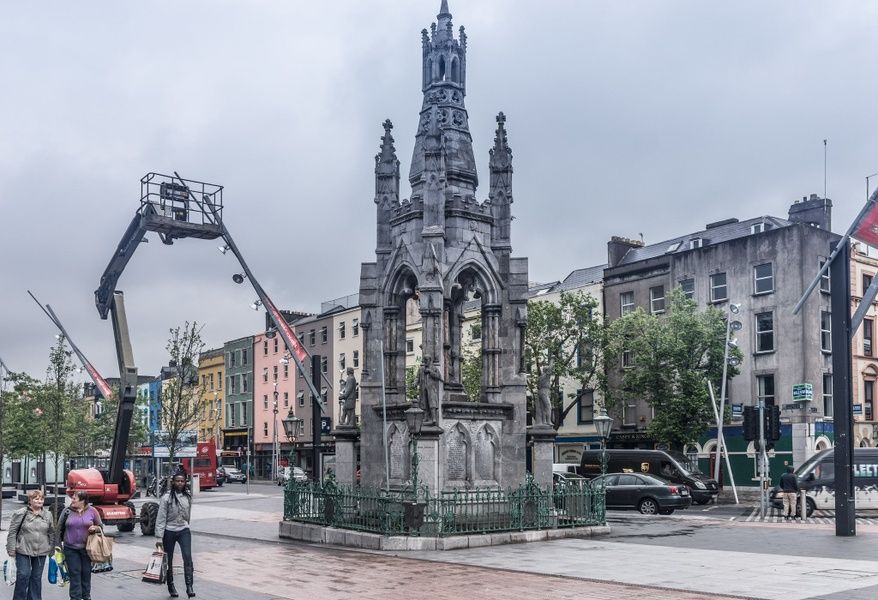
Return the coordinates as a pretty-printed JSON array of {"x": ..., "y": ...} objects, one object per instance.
[
  {"x": 297, "y": 348},
  {"x": 103, "y": 386},
  {"x": 866, "y": 229}
]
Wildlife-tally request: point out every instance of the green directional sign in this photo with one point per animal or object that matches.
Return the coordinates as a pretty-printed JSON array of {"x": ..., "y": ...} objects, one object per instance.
[{"x": 803, "y": 392}]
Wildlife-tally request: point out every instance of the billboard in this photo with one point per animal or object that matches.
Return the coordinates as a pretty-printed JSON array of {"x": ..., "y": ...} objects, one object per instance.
[{"x": 187, "y": 444}]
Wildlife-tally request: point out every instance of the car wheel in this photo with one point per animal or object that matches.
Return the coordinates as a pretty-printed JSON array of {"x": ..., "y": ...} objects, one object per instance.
[
  {"x": 129, "y": 525},
  {"x": 809, "y": 508},
  {"x": 648, "y": 506}
]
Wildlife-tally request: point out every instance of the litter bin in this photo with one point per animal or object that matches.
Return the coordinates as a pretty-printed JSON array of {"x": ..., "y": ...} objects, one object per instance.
[{"x": 195, "y": 484}]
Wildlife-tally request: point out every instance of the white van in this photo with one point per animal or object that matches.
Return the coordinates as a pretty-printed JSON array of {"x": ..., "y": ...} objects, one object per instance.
[{"x": 817, "y": 479}]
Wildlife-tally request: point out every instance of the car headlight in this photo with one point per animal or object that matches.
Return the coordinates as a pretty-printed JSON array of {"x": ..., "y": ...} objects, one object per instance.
[{"x": 700, "y": 485}]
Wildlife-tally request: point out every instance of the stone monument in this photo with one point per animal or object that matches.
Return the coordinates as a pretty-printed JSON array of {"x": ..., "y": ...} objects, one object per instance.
[{"x": 441, "y": 248}]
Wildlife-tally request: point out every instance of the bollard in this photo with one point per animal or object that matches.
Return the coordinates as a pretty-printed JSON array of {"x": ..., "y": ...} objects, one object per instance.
[{"x": 803, "y": 504}]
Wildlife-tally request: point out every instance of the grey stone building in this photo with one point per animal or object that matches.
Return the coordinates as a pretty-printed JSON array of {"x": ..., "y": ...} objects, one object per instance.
[
  {"x": 315, "y": 333},
  {"x": 763, "y": 264},
  {"x": 440, "y": 249}
]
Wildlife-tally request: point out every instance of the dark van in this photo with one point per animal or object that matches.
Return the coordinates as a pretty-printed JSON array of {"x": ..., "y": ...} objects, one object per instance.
[
  {"x": 668, "y": 465},
  {"x": 817, "y": 478}
]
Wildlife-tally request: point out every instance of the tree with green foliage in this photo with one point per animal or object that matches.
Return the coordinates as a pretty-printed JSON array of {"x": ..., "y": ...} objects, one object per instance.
[
  {"x": 411, "y": 381},
  {"x": 571, "y": 332},
  {"x": 471, "y": 372},
  {"x": 672, "y": 356},
  {"x": 181, "y": 394}
]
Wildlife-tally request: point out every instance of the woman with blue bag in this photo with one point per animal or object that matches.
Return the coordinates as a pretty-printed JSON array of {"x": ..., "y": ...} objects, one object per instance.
[{"x": 31, "y": 538}]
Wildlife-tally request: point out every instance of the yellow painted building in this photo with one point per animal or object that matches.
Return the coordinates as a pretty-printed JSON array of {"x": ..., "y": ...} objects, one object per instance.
[{"x": 211, "y": 374}]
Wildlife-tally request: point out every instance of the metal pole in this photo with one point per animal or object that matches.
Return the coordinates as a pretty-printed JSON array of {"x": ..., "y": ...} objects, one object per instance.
[
  {"x": 721, "y": 439},
  {"x": 274, "y": 449},
  {"x": 722, "y": 398},
  {"x": 3, "y": 372},
  {"x": 839, "y": 277},
  {"x": 316, "y": 371},
  {"x": 762, "y": 507}
]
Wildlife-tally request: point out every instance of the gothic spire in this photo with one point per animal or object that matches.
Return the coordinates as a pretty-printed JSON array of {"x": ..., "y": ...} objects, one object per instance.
[
  {"x": 501, "y": 153},
  {"x": 387, "y": 168}
]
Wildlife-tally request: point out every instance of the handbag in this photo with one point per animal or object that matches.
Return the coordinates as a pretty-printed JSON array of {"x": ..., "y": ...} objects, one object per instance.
[
  {"x": 99, "y": 547},
  {"x": 9, "y": 571},
  {"x": 63, "y": 575},
  {"x": 52, "y": 572},
  {"x": 157, "y": 567}
]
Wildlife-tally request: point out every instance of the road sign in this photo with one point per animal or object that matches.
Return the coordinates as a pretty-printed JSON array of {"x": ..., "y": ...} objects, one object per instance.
[
  {"x": 803, "y": 392},
  {"x": 791, "y": 406},
  {"x": 325, "y": 425},
  {"x": 187, "y": 444},
  {"x": 858, "y": 409},
  {"x": 737, "y": 410}
]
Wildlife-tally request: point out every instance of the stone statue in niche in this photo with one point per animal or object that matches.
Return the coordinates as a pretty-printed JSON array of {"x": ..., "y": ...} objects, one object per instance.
[
  {"x": 429, "y": 382},
  {"x": 348, "y": 400},
  {"x": 543, "y": 405}
]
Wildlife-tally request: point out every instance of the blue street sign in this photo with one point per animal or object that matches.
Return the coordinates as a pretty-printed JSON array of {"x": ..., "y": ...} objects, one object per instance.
[
  {"x": 325, "y": 425},
  {"x": 803, "y": 392},
  {"x": 858, "y": 409},
  {"x": 737, "y": 410}
]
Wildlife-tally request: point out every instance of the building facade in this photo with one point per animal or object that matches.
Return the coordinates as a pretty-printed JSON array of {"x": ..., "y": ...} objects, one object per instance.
[
  {"x": 762, "y": 264},
  {"x": 273, "y": 391},
  {"x": 211, "y": 373},
  {"x": 238, "y": 359},
  {"x": 864, "y": 355}
]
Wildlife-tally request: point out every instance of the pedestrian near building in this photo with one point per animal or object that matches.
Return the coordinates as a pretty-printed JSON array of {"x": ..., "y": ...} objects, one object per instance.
[
  {"x": 789, "y": 487},
  {"x": 31, "y": 538},
  {"x": 172, "y": 528},
  {"x": 76, "y": 522}
]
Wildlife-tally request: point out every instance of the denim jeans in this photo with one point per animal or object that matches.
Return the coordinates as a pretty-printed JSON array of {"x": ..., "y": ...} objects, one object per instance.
[
  {"x": 79, "y": 569},
  {"x": 184, "y": 538},
  {"x": 29, "y": 581}
]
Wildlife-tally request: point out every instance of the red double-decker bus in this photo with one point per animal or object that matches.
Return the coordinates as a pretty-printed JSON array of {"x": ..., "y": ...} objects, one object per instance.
[{"x": 204, "y": 465}]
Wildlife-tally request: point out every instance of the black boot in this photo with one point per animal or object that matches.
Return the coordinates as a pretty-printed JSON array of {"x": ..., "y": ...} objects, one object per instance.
[
  {"x": 172, "y": 590},
  {"x": 188, "y": 576}
]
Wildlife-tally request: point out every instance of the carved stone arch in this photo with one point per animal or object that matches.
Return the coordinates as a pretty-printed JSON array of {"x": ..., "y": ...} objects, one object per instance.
[
  {"x": 473, "y": 272},
  {"x": 442, "y": 73},
  {"x": 455, "y": 70},
  {"x": 401, "y": 284},
  {"x": 397, "y": 451},
  {"x": 486, "y": 453},
  {"x": 459, "y": 454}
]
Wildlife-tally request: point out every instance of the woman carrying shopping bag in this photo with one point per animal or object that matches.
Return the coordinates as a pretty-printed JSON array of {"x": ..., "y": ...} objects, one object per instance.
[
  {"x": 76, "y": 522},
  {"x": 172, "y": 528},
  {"x": 31, "y": 538}
]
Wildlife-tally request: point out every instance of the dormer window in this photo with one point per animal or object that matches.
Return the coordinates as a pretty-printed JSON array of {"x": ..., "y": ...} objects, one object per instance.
[
  {"x": 760, "y": 227},
  {"x": 696, "y": 243}
]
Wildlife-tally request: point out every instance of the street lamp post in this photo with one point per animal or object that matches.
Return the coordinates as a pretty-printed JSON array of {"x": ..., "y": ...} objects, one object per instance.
[
  {"x": 293, "y": 428},
  {"x": 275, "y": 458},
  {"x": 603, "y": 424},
  {"x": 720, "y": 439}
]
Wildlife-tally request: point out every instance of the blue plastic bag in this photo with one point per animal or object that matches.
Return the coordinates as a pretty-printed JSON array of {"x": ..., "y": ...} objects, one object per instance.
[{"x": 53, "y": 570}]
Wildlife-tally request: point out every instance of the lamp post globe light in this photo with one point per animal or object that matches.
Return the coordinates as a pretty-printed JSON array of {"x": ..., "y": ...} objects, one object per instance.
[
  {"x": 414, "y": 418},
  {"x": 293, "y": 428},
  {"x": 603, "y": 424}
]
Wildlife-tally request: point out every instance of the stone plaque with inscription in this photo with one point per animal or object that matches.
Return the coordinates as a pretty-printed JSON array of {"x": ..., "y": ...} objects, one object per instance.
[{"x": 456, "y": 457}]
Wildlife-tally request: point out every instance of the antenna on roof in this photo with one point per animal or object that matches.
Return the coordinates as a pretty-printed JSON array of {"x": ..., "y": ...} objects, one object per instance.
[
  {"x": 641, "y": 238},
  {"x": 824, "y": 168}
]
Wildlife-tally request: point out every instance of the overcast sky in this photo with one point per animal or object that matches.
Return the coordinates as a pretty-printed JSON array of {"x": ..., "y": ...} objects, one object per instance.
[{"x": 625, "y": 118}]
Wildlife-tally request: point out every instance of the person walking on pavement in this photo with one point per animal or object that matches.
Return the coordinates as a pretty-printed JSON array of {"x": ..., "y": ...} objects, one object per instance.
[
  {"x": 31, "y": 538},
  {"x": 172, "y": 528},
  {"x": 789, "y": 487},
  {"x": 76, "y": 522}
]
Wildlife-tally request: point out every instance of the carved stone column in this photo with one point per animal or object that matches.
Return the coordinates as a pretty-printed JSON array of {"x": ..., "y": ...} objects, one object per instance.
[
  {"x": 346, "y": 439},
  {"x": 491, "y": 351}
]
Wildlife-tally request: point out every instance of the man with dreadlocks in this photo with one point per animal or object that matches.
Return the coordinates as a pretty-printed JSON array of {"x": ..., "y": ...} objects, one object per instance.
[{"x": 172, "y": 528}]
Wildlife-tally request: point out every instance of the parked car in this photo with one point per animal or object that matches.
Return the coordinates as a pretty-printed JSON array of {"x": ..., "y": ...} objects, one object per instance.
[
  {"x": 671, "y": 466},
  {"x": 235, "y": 474},
  {"x": 220, "y": 476},
  {"x": 297, "y": 473},
  {"x": 646, "y": 493}
]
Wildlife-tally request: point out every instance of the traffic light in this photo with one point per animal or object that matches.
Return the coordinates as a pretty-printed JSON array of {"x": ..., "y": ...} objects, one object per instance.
[
  {"x": 751, "y": 423},
  {"x": 772, "y": 423}
]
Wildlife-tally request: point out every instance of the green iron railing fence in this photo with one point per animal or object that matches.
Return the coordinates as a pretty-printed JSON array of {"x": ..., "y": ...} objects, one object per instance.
[{"x": 458, "y": 512}]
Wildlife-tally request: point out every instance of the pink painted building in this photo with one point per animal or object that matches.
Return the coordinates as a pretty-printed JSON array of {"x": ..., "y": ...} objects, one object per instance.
[{"x": 270, "y": 374}]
